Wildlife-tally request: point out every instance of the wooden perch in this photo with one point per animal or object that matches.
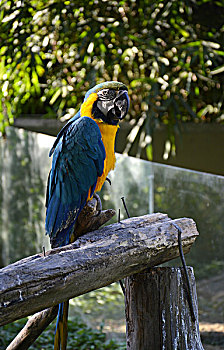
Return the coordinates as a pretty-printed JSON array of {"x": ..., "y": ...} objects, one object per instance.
[
  {"x": 96, "y": 259},
  {"x": 157, "y": 310}
]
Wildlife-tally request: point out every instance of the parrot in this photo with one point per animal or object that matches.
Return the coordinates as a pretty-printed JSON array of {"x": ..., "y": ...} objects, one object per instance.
[{"x": 83, "y": 155}]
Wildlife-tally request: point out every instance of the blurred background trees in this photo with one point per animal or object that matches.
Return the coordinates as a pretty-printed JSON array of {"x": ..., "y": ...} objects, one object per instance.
[{"x": 169, "y": 53}]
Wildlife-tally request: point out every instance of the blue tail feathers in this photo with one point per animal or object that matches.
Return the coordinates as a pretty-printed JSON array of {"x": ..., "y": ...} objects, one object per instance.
[{"x": 61, "y": 331}]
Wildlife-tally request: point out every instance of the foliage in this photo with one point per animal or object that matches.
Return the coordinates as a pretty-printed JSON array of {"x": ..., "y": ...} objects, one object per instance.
[
  {"x": 80, "y": 337},
  {"x": 169, "y": 53},
  {"x": 107, "y": 301}
]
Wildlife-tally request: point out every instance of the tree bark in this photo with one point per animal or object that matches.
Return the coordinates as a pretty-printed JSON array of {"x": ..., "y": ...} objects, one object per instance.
[
  {"x": 96, "y": 259},
  {"x": 157, "y": 311}
]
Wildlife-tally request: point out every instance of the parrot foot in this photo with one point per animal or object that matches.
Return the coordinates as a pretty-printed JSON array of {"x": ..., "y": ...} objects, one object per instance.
[{"x": 98, "y": 204}]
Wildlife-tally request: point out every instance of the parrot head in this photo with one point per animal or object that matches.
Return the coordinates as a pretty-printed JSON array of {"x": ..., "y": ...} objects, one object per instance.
[{"x": 112, "y": 102}]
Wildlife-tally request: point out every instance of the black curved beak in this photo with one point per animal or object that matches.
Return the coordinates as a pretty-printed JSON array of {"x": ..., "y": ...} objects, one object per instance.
[{"x": 120, "y": 106}]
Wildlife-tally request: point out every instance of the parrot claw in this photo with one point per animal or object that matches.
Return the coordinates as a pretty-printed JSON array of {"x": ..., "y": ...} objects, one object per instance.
[
  {"x": 98, "y": 205},
  {"x": 98, "y": 213},
  {"x": 108, "y": 180}
]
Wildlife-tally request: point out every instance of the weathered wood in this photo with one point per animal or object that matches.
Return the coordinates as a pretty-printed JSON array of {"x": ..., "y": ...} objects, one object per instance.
[
  {"x": 157, "y": 311},
  {"x": 95, "y": 260},
  {"x": 89, "y": 219},
  {"x": 33, "y": 329}
]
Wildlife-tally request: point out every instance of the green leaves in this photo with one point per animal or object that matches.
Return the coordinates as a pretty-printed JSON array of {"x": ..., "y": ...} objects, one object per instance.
[
  {"x": 81, "y": 337},
  {"x": 170, "y": 54}
]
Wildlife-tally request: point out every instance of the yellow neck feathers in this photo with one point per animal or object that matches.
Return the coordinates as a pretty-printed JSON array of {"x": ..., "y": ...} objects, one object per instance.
[
  {"x": 108, "y": 133},
  {"x": 86, "y": 107}
]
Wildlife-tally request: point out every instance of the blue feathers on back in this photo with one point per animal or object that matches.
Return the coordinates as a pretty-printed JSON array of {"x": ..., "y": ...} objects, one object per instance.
[{"x": 78, "y": 160}]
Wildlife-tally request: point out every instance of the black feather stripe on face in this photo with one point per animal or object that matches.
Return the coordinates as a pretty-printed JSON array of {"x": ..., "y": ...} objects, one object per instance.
[{"x": 106, "y": 94}]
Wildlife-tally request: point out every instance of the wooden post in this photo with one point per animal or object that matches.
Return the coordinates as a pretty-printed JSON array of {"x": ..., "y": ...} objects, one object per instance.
[{"x": 157, "y": 311}]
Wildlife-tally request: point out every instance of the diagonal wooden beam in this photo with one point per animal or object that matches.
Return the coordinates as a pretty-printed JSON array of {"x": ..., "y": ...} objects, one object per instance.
[{"x": 94, "y": 260}]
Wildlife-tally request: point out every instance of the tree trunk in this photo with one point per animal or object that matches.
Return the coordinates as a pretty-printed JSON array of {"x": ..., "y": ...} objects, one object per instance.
[{"x": 157, "y": 311}]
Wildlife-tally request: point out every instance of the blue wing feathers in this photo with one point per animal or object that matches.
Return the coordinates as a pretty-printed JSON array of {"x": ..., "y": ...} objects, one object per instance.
[
  {"x": 78, "y": 160},
  {"x": 52, "y": 208},
  {"x": 63, "y": 130}
]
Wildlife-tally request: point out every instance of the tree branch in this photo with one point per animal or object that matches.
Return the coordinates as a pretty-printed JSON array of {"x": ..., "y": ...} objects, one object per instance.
[{"x": 33, "y": 328}]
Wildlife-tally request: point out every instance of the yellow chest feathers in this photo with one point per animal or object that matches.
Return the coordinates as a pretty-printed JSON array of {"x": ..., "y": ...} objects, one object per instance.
[{"x": 108, "y": 133}]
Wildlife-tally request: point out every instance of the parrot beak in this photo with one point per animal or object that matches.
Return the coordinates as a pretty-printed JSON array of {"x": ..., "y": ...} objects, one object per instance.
[
  {"x": 121, "y": 104},
  {"x": 111, "y": 106},
  {"x": 120, "y": 107}
]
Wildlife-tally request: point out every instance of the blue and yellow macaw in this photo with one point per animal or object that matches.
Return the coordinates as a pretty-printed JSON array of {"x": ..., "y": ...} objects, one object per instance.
[{"x": 83, "y": 155}]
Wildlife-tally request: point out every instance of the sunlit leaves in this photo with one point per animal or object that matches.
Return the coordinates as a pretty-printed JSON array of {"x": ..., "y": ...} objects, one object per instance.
[
  {"x": 55, "y": 96},
  {"x": 169, "y": 53}
]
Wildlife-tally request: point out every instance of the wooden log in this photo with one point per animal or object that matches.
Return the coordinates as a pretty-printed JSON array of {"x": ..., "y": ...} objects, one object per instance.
[
  {"x": 96, "y": 259},
  {"x": 157, "y": 311}
]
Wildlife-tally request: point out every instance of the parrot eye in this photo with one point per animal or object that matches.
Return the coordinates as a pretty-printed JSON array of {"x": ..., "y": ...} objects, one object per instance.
[{"x": 106, "y": 94}]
